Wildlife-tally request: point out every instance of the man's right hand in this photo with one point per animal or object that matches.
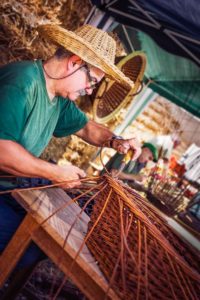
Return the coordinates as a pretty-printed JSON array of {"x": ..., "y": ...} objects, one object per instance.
[
  {"x": 16, "y": 160},
  {"x": 68, "y": 173}
]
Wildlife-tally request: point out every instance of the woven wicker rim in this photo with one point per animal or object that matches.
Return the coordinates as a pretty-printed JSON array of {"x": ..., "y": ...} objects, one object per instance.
[
  {"x": 79, "y": 46},
  {"x": 129, "y": 96}
]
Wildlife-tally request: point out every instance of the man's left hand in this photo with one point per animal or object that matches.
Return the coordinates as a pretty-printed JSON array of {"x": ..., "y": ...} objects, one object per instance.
[{"x": 122, "y": 146}]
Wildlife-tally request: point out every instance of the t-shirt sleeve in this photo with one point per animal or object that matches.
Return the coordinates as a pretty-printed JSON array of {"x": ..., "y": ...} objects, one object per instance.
[
  {"x": 71, "y": 120},
  {"x": 12, "y": 112}
]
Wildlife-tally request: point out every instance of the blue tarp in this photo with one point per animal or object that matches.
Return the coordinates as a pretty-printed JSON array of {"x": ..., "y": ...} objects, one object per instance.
[{"x": 180, "y": 16}]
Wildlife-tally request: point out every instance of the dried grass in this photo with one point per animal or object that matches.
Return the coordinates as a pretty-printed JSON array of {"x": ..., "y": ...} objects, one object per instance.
[{"x": 19, "y": 20}]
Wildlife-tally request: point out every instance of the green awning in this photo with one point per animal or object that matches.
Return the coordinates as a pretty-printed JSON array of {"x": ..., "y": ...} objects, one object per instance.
[{"x": 173, "y": 77}]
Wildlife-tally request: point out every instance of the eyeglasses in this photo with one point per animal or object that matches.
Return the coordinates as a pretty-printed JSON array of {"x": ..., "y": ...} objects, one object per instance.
[{"x": 92, "y": 80}]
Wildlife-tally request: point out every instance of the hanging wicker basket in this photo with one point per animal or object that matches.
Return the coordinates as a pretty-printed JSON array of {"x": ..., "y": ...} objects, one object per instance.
[
  {"x": 141, "y": 257},
  {"x": 112, "y": 96}
]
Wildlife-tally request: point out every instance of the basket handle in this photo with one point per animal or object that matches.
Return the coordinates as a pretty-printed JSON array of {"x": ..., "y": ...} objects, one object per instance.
[{"x": 141, "y": 88}]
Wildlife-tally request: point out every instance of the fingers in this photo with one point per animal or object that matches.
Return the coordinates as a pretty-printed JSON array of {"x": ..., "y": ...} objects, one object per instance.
[
  {"x": 70, "y": 185},
  {"x": 122, "y": 146},
  {"x": 134, "y": 143},
  {"x": 69, "y": 176},
  {"x": 114, "y": 172},
  {"x": 81, "y": 173},
  {"x": 136, "y": 153},
  {"x": 72, "y": 172}
]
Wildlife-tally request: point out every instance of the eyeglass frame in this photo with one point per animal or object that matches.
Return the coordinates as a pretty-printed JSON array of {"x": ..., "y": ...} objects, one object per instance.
[{"x": 92, "y": 80}]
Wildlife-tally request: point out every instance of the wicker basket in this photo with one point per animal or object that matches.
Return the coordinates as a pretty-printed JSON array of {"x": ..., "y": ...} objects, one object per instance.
[
  {"x": 112, "y": 96},
  {"x": 136, "y": 250}
]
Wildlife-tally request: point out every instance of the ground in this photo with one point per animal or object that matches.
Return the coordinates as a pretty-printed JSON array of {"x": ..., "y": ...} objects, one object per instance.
[{"x": 39, "y": 286}]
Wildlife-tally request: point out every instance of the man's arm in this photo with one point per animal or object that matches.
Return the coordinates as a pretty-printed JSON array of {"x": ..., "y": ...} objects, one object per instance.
[
  {"x": 95, "y": 134},
  {"x": 99, "y": 135},
  {"x": 16, "y": 160}
]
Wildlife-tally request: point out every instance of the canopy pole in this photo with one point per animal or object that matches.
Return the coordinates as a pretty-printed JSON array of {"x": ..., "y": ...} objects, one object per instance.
[
  {"x": 90, "y": 15},
  {"x": 96, "y": 17},
  {"x": 136, "y": 107},
  {"x": 132, "y": 17},
  {"x": 99, "y": 19},
  {"x": 187, "y": 38},
  {"x": 157, "y": 24},
  {"x": 182, "y": 46},
  {"x": 128, "y": 38}
]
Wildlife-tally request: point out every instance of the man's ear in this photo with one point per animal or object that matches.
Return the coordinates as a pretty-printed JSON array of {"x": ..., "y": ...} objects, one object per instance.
[{"x": 74, "y": 61}]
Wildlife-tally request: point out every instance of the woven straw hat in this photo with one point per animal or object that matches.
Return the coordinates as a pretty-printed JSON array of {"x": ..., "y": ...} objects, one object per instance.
[{"x": 93, "y": 45}]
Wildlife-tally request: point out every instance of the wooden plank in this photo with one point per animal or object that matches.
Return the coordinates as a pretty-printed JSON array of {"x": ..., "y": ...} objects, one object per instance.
[
  {"x": 16, "y": 247},
  {"x": 41, "y": 204},
  {"x": 88, "y": 281},
  {"x": 51, "y": 236}
]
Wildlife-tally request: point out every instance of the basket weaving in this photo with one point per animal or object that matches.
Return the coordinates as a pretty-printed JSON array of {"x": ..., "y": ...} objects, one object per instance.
[
  {"x": 112, "y": 96},
  {"x": 141, "y": 257}
]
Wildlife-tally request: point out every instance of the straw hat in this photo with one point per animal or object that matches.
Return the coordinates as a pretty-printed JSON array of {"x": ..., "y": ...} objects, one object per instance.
[{"x": 93, "y": 45}]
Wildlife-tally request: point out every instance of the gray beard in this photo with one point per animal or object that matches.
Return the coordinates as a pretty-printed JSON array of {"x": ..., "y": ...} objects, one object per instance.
[{"x": 82, "y": 92}]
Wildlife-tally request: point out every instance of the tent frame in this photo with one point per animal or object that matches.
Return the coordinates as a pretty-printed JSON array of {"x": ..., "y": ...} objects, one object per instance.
[{"x": 151, "y": 22}]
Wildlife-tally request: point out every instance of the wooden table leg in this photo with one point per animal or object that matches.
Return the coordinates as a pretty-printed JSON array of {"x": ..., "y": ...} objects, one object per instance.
[
  {"x": 89, "y": 283},
  {"x": 16, "y": 247}
]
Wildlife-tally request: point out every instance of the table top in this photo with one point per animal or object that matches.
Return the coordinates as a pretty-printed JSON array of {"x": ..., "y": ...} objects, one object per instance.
[{"x": 41, "y": 204}]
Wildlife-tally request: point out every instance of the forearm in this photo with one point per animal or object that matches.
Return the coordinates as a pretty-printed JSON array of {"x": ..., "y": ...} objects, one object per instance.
[
  {"x": 16, "y": 160},
  {"x": 95, "y": 134}
]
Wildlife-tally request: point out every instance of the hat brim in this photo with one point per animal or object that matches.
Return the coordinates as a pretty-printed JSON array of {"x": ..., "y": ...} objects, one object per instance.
[{"x": 77, "y": 45}]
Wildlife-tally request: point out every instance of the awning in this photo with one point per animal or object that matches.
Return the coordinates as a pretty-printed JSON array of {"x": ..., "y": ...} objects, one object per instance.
[
  {"x": 175, "y": 78},
  {"x": 191, "y": 159},
  {"x": 172, "y": 44},
  {"x": 174, "y": 24}
]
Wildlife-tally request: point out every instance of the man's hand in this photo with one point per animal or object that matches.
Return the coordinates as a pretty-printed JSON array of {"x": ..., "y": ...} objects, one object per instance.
[
  {"x": 99, "y": 135},
  {"x": 114, "y": 172},
  {"x": 68, "y": 173},
  {"x": 122, "y": 146},
  {"x": 16, "y": 160},
  {"x": 140, "y": 178}
]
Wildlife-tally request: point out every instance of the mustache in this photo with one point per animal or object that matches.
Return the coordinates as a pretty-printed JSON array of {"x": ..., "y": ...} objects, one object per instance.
[{"x": 82, "y": 92}]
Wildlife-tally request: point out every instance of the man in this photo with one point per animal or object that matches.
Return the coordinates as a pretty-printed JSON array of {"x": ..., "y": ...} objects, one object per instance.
[
  {"x": 37, "y": 101},
  {"x": 133, "y": 168}
]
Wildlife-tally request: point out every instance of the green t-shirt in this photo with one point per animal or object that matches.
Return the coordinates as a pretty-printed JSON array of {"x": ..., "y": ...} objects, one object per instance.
[{"x": 27, "y": 115}]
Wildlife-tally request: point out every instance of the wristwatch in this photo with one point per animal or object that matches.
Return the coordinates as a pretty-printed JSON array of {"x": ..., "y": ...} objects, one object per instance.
[{"x": 113, "y": 138}]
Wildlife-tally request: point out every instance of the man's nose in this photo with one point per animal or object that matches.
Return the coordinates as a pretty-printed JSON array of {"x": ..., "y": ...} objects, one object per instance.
[{"x": 89, "y": 90}]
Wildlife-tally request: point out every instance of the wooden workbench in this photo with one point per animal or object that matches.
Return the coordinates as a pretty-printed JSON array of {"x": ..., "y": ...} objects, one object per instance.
[{"x": 50, "y": 237}]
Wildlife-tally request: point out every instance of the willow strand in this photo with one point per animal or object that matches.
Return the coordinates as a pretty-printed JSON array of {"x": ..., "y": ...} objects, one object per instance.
[
  {"x": 83, "y": 243},
  {"x": 69, "y": 232}
]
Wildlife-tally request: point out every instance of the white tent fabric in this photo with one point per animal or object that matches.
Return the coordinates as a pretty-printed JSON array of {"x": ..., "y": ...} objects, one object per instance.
[{"x": 191, "y": 159}]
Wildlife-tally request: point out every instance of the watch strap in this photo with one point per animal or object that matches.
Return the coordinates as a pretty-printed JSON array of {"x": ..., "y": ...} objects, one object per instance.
[{"x": 114, "y": 138}]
